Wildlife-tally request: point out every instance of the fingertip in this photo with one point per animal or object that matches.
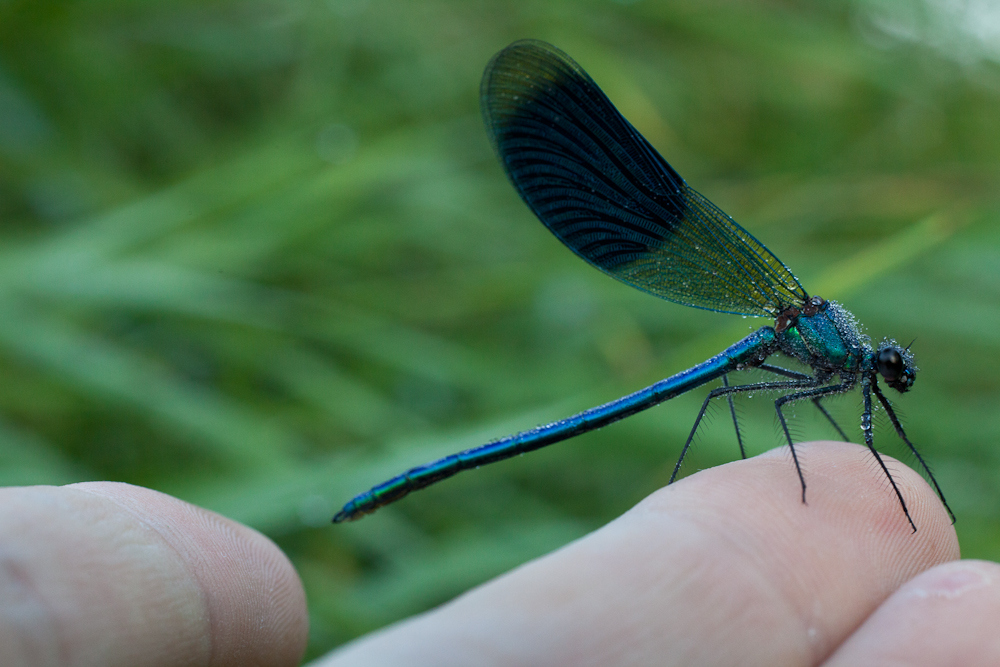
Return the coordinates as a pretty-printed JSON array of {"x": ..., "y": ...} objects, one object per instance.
[
  {"x": 845, "y": 486},
  {"x": 945, "y": 615},
  {"x": 254, "y": 599},
  {"x": 851, "y": 505},
  {"x": 847, "y": 550},
  {"x": 120, "y": 575}
]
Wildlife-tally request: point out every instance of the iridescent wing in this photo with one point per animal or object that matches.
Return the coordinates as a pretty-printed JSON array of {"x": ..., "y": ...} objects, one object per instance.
[{"x": 606, "y": 193}]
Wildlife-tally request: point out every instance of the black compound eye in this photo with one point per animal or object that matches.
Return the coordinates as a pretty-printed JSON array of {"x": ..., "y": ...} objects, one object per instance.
[{"x": 890, "y": 364}]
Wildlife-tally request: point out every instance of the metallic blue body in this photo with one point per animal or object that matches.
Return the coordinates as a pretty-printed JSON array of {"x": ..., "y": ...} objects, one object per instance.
[{"x": 750, "y": 351}]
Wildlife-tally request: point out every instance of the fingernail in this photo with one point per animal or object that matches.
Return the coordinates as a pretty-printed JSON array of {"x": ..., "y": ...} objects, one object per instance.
[{"x": 951, "y": 581}]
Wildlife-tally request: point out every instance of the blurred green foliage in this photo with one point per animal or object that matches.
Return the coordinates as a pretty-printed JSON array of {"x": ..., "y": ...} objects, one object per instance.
[{"x": 259, "y": 255}]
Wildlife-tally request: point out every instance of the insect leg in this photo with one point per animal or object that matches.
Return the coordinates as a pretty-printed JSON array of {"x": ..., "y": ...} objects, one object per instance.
[
  {"x": 811, "y": 393},
  {"x": 829, "y": 417},
  {"x": 899, "y": 431},
  {"x": 866, "y": 426},
  {"x": 736, "y": 422},
  {"x": 778, "y": 370},
  {"x": 726, "y": 391}
]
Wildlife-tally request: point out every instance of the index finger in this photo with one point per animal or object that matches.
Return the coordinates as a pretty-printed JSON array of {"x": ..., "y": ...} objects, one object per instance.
[{"x": 727, "y": 566}]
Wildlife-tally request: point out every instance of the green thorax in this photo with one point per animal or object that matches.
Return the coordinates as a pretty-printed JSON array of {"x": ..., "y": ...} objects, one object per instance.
[{"x": 829, "y": 339}]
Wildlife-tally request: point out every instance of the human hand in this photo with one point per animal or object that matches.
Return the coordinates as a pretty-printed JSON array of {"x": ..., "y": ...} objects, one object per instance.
[
  {"x": 723, "y": 567},
  {"x": 728, "y": 567}
]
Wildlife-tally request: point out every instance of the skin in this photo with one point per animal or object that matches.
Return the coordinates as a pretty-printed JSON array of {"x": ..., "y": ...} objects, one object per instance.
[{"x": 724, "y": 567}]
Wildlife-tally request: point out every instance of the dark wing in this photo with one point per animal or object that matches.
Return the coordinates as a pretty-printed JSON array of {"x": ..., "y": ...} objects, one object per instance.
[{"x": 605, "y": 192}]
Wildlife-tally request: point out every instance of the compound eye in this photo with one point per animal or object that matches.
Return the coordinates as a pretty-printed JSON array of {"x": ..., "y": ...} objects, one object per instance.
[{"x": 890, "y": 364}]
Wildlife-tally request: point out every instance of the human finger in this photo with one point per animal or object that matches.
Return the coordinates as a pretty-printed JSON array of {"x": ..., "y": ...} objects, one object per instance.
[
  {"x": 727, "y": 566},
  {"x": 112, "y": 574},
  {"x": 948, "y": 615}
]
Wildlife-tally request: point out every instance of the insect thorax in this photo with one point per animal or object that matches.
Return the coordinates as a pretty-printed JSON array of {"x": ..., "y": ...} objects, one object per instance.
[{"x": 829, "y": 340}]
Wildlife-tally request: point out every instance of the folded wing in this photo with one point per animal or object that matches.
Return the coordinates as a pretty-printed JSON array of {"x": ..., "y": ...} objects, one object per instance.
[{"x": 606, "y": 193}]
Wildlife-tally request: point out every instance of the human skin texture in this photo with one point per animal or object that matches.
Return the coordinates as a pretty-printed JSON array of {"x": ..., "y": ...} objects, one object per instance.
[
  {"x": 111, "y": 574},
  {"x": 724, "y": 567},
  {"x": 729, "y": 567}
]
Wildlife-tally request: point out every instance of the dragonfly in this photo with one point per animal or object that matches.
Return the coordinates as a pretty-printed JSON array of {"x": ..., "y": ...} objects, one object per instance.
[{"x": 602, "y": 189}]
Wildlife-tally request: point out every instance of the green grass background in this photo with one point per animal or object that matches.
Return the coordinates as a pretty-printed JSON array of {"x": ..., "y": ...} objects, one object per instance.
[{"x": 259, "y": 255}]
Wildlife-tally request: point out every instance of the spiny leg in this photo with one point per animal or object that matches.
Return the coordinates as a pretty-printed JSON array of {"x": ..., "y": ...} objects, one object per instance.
[
  {"x": 786, "y": 372},
  {"x": 819, "y": 406},
  {"x": 727, "y": 390},
  {"x": 812, "y": 393},
  {"x": 866, "y": 426},
  {"x": 899, "y": 431},
  {"x": 736, "y": 422},
  {"x": 778, "y": 370}
]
